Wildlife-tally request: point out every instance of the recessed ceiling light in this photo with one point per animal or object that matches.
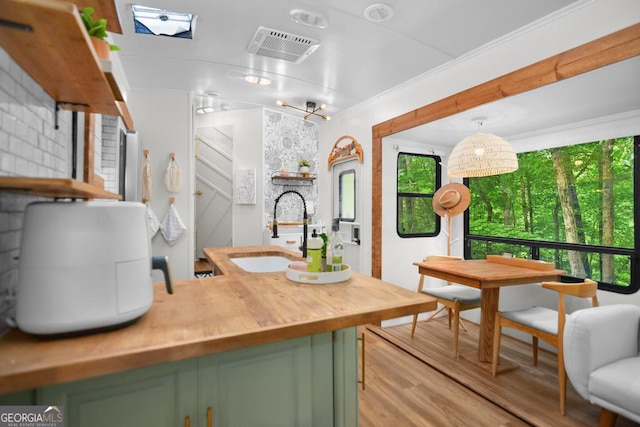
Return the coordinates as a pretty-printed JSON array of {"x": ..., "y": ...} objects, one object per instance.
[
  {"x": 205, "y": 110},
  {"x": 378, "y": 12},
  {"x": 312, "y": 19},
  {"x": 257, "y": 80},
  {"x": 205, "y": 105}
]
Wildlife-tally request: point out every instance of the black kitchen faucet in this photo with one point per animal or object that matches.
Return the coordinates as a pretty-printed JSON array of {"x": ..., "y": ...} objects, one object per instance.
[{"x": 304, "y": 220}]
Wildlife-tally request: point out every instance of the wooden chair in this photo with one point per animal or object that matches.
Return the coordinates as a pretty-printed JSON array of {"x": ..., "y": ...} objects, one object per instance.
[
  {"x": 545, "y": 324},
  {"x": 453, "y": 298}
]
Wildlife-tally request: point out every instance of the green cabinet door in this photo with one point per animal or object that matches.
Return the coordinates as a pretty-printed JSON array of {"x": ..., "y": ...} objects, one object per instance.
[
  {"x": 156, "y": 396},
  {"x": 282, "y": 384},
  {"x": 345, "y": 374},
  {"x": 303, "y": 382}
]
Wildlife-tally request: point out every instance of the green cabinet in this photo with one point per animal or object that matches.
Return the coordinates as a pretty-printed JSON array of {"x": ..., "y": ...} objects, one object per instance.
[
  {"x": 155, "y": 396},
  {"x": 307, "y": 381}
]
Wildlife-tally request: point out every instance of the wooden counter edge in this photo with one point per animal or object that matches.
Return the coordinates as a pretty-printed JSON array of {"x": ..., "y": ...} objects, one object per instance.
[
  {"x": 74, "y": 371},
  {"x": 78, "y": 369}
]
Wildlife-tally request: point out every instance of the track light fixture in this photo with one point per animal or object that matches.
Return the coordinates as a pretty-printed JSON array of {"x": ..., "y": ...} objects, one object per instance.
[{"x": 311, "y": 109}]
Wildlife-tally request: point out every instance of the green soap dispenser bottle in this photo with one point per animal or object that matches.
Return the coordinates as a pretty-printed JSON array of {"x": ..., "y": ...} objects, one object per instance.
[{"x": 314, "y": 253}]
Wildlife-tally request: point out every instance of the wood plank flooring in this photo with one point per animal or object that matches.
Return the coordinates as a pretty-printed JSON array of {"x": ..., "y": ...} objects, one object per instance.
[{"x": 416, "y": 382}]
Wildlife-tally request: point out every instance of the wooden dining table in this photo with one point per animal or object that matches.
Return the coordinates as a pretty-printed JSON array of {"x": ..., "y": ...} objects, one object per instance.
[{"x": 489, "y": 275}]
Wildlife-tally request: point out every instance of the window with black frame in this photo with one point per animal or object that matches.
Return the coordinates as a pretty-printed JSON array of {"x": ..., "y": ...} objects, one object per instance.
[
  {"x": 418, "y": 177},
  {"x": 571, "y": 205}
]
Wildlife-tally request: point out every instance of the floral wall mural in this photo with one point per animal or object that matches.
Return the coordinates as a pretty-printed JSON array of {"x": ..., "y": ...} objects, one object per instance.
[{"x": 288, "y": 139}]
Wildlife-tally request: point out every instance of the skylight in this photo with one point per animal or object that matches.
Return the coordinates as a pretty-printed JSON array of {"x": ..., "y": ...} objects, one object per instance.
[{"x": 158, "y": 22}]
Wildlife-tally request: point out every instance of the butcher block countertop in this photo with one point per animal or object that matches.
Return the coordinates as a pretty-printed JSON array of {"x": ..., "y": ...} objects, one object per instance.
[{"x": 206, "y": 316}]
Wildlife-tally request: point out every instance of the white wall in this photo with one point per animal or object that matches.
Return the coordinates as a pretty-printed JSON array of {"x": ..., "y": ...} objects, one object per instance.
[
  {"x": 396, "y": 263},
  {"x": 585, "y": 21},
  {"x": 247, "y": 154},
  {"x": 256, "y": 142},
  {"x": 163, "y": 120}
]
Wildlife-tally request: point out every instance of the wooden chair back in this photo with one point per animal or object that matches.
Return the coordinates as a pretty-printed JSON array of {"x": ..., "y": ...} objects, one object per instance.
[
  {"x": 586, "y": 289},
  {"x": 441, "y": 258}
]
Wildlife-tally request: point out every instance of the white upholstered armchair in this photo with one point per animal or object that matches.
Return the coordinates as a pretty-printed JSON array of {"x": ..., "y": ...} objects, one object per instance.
[{"x": 602, "y": 358}]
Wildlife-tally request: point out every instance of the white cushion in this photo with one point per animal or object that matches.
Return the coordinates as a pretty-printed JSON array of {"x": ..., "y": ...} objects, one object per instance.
[
  {"x": 617, "y": 387},
  {"x": 540, "y": 318},
  {"x": 462, "y": 293},
  {"x": 601, "y": 356}
]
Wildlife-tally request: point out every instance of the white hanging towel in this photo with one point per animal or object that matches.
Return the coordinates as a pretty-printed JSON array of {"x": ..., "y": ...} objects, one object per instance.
[
  {"x": 173, "y": 176},
  {"x": 146, "y": 179},
  {"x": 153, "y": 225},
  {"x": 172, "y": 226}
]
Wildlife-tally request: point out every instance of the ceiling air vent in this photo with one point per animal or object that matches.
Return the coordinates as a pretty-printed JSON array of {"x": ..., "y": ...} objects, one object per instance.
[{"x": 280, "y": 45}]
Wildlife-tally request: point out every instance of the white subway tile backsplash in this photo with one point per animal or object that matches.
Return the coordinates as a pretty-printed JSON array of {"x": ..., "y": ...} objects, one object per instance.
[
  {"x": 8, "y": 164},
  {"x": 28, "y": 147},
  {"x": 8, "y": 123},
  {"x": 22, "y": 167},
  {"x": 32, "y": 169},
  {"x": 4, "y": 141},
  {"x": 21, "y": 129},
  {"x": 5, "y": 220},
  {"x": 5, "y": 60},
  {"x": 21, "y": 95},
  {"x": 9, "y": 85},
  {"x": 15, "y": 145}
]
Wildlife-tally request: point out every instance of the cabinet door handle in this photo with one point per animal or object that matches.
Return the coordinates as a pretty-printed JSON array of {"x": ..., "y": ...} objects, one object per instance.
[
  {"x": 209, "y": 417},
  {"x": 187, "y": 421},
  {"x": 362, "y": 361}
]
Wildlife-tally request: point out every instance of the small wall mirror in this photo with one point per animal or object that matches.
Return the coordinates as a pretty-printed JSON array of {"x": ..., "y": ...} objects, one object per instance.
[{"x": 347, "y": 195}]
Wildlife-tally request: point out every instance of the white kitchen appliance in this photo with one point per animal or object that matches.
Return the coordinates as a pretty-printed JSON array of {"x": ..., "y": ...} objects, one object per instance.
[
  {"x": 132, "y": 167},
  {"x": 84, "y": 266}
]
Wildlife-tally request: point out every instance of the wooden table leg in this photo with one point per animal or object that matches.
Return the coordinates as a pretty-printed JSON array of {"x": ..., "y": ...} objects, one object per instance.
[{"x": 488, "y": 309}]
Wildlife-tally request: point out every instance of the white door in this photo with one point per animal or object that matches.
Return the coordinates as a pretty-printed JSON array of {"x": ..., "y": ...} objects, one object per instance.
[
  {"x": 214, "y": 187},
  {"x": 346, "y": 197}
]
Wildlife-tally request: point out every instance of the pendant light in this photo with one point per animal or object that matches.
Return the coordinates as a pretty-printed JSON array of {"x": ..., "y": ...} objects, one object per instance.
[{"x": 481, "y": 154}]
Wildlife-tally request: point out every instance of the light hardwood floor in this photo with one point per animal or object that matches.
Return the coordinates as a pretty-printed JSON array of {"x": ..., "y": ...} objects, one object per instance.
[{"x": 416, "y": 382}]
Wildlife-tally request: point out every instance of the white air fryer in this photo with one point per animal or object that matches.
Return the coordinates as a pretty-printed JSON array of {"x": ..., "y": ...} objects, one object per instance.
[{"x": 84, "y": 266}]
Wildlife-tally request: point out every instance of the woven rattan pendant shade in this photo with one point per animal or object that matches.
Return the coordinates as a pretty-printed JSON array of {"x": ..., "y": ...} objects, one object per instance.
[{"x": 482, "y": 154}]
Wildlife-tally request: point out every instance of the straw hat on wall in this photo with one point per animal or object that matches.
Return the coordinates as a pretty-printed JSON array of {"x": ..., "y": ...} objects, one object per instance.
[{"x": 451, "y": 199}]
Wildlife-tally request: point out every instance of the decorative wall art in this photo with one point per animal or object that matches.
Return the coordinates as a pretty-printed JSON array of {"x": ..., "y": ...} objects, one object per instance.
[
  {"x": 346, "y": 147},
  {"x": 244, "y": 192}
]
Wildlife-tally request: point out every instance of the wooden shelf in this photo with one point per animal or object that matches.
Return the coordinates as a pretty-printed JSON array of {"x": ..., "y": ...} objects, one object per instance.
[
  {"x": 56, "y": 188},
  {"x": 292, "y": 178},
  {"x": 57, "y": 53},
  {"x": 103, "y": 9}
]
